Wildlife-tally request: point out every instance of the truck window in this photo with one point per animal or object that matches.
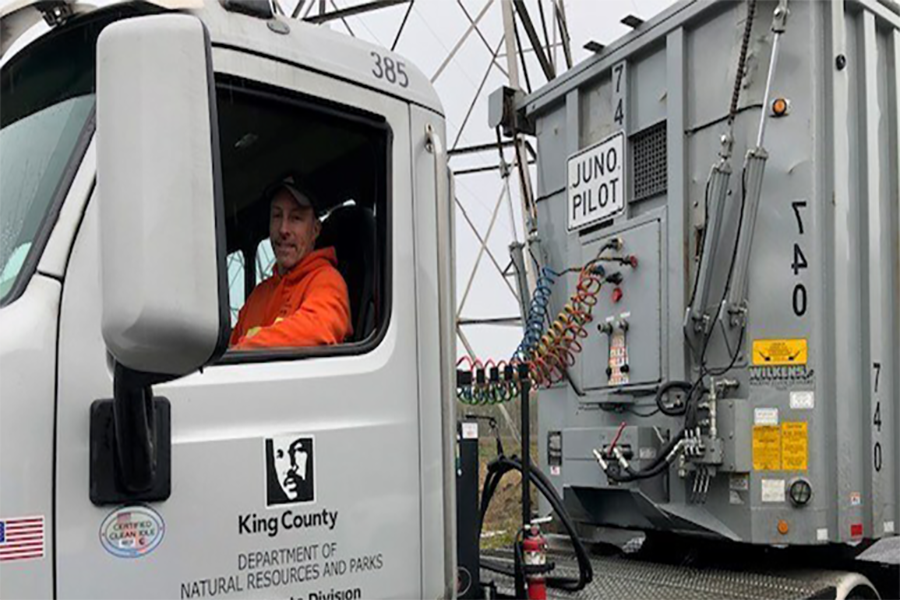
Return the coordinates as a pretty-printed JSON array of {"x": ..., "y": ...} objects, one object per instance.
[
  {"x": 48, "y": 98},
  {"x": 265, "y": 260},
  {"x": 236, "y": 297},
  {"x": 278, "y": 145}
]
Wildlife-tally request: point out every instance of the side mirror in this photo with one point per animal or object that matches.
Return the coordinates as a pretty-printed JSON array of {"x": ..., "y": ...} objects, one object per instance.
[
  {"x": 165, "y": 295},
  {"x": 164, "y": 289}
]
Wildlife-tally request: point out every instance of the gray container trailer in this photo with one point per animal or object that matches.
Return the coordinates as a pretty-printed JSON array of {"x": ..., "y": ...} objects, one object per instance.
[{"x": 795, "y": 443}]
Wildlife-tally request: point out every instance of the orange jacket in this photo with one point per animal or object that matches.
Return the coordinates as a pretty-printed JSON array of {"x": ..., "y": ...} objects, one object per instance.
[{"x": 307, "y": 307}]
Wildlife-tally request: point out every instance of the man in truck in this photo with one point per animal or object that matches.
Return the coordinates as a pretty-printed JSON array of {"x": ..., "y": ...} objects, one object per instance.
[{"x": 305, "y": 301}]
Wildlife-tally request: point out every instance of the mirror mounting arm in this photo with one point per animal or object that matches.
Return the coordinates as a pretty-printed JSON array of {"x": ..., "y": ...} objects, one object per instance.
[
  {"x": 131, "y": 441},
  {"x": 135, "y": 427}
]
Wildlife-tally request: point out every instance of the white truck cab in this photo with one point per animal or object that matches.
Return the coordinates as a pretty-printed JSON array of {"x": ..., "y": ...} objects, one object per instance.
[{"x": 135, "y": 145}]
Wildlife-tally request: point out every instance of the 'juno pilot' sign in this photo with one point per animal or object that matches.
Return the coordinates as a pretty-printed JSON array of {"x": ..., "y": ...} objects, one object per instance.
[{"x": 596, "y": 184}]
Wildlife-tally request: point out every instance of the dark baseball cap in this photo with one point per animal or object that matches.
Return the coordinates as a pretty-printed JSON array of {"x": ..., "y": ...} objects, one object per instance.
[{"x": 297, "y": 191}]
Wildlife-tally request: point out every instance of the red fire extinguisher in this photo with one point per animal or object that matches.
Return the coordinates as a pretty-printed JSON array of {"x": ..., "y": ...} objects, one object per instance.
[{"x": 534, "y": 550}]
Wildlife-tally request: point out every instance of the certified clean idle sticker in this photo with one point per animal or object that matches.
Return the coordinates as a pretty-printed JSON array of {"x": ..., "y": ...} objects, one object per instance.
[
  {"x": 132, "y": 531},
  {"x": 596, "y": 182}
]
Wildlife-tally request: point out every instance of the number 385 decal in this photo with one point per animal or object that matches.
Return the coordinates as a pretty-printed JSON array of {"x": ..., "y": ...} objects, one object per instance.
[{"x": 393, "y": 71}]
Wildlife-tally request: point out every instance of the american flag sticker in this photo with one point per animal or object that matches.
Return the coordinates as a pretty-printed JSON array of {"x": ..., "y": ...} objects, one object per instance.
[{"x": 21, "y": 538}]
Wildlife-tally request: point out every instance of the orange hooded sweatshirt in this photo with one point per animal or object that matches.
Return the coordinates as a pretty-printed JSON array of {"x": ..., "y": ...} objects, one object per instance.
[{"x": 308, "y": 306}]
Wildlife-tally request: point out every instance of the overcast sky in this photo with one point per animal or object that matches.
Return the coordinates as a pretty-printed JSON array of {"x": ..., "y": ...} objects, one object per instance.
[{"x": 432, "y": 31}]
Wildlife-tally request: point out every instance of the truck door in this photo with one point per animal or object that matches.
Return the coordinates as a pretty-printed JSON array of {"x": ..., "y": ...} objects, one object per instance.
[{"x": 294, "y": 473}]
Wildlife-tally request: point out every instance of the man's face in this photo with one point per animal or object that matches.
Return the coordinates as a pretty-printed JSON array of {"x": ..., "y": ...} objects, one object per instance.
[
  {"x": 290, "y": 465},
  {"x": 293, "y": 230}
]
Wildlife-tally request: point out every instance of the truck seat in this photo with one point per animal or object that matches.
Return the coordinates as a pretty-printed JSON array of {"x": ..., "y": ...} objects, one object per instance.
[{"x": 351, "y": 230}]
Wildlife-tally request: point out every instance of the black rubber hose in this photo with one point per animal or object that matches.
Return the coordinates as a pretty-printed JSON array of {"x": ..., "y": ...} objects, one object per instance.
[
  {"x": 519, "y": 562},
  {"x": 685, "y": 386},
  {"x": 500, "y": 467},
  {"x": 633, "y": 475},
  {"x": 657, "y": 467}
]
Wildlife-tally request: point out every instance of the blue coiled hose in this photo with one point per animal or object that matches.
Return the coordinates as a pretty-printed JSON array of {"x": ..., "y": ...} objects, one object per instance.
[{"x": 538, "y": 311}]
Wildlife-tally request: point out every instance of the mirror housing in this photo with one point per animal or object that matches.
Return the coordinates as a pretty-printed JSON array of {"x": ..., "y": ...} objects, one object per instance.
[
  {"x": 165, "y": 308},
  {"x": 163, "y": 275}
]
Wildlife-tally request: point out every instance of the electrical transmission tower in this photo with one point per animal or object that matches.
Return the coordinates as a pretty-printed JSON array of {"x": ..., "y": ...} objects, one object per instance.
[{"x": 532, "y": 47}]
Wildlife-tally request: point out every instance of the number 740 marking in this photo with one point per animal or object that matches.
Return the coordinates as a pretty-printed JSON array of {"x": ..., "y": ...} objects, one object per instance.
[{"x": 800, "y": 298}]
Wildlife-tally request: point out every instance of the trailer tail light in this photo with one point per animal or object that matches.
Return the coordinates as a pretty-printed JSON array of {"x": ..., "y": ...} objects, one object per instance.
[
  {"x": 783, "y": 527},
  {"x": 781, "y": 107}
]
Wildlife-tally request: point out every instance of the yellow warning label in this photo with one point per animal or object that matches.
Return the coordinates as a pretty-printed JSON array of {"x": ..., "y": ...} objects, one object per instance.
[
  {"x": 779, "y": 352},
  {"x": 794, "y": 446},
  {"x": 766, "y": 448}
]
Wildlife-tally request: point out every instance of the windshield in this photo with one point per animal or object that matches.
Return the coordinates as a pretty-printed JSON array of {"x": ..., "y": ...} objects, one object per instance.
[
  {"x": 48, "y": 97},
  {"x": 34, "y": 152}
]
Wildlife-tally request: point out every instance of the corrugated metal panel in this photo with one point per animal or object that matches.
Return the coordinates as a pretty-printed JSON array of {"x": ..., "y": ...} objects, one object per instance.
[{"x": 824, "y": 267}]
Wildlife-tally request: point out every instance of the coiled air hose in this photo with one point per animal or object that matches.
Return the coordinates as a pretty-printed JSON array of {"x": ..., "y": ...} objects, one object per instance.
[
  {"x": 495, "y": 471},
  {"x": 555, "y": 352},
  {"x": 487, "y": 383},
  {"x": 538, "y": 313},
  {"x": 549, "y": 352}
]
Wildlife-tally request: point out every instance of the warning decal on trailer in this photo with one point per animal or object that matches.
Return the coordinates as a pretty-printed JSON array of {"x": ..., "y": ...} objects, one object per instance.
[
  {"x": 781, "y": 448},
  {"x": 766, "y": 448},
  {"x": 794, "y": 446},
  {"x": 596, "y": 183},
  {"x": 780, "y": 352},
  {"x": 618, "y": 360}
]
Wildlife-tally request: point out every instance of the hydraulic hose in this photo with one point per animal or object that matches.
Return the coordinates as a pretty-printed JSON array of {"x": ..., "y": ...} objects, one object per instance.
[
  {"x": 684, "y": 386},
  {"x": 496, "y": 470},
  {"x": 657, "y": 467}
]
